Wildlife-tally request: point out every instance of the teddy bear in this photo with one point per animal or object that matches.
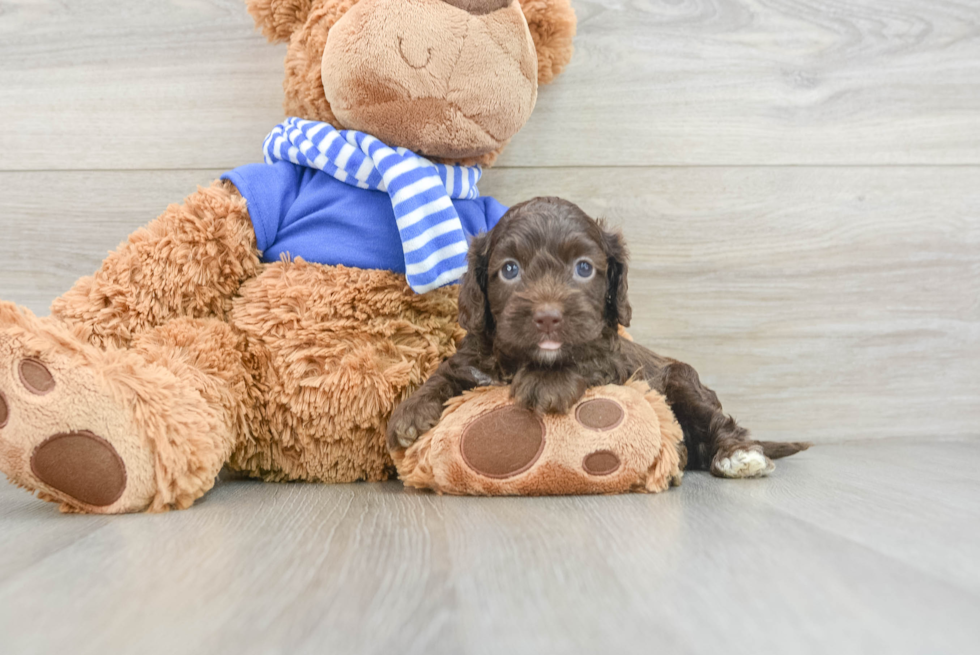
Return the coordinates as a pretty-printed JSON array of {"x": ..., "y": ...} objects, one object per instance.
[{"x": 272, "y": 321}]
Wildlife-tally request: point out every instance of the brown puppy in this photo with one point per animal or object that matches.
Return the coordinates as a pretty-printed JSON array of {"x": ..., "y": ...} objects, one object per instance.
[{"x": 542, "y": 303}]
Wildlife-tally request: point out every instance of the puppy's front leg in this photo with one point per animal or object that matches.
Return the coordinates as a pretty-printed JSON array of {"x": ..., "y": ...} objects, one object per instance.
[
  {"x": 412, "y": 419},
  {"x": 547, "y": 391},
  {"x": 423, "y": 409}
]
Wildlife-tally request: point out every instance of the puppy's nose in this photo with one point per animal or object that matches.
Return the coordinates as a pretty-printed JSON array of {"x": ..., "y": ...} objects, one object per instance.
[
  {"x": 479, "y": 7},
  {"x": 547, "y": 320}
]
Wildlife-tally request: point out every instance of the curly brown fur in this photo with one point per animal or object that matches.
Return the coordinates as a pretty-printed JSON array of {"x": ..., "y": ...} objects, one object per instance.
[{"x": 539, "y": 320}]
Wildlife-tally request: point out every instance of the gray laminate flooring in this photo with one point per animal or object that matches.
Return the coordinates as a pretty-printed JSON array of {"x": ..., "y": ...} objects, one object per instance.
[{"x": 861, "y": 547}]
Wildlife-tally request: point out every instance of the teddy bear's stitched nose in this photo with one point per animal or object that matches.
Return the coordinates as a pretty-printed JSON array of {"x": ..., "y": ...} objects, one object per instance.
[{"x": 479, "y": 7}]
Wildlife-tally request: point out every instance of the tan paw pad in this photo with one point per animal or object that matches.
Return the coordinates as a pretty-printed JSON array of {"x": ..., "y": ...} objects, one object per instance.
[
  {"x": 601, "y": 462},
  {"x": 503, "y": 443},
  {"x": 36, "y": 377},
  {"x": 81, "y": 465},
  {"x": 600, "y": 414}
]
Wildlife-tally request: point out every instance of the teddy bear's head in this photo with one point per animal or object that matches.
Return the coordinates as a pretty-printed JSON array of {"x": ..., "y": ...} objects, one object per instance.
[{"x": 452, "y": 80}]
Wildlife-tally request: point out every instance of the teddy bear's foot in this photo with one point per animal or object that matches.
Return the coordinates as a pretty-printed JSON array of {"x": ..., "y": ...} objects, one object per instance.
[
  {"x": 617, "y": 439},
  {"x": 742, "y": 461},
  {"x": 63, "y": 433}
]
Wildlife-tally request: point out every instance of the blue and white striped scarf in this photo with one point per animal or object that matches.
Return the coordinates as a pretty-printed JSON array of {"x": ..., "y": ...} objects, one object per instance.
[{"x": 421, "y": 191}]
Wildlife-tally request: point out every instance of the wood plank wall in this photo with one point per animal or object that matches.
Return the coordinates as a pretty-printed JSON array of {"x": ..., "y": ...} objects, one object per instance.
[{"x": 799, "y": 180}]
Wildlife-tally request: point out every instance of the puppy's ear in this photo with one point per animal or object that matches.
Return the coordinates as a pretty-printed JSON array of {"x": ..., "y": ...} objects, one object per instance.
[
  {"x": 278, "y": 19},
  {"x": 474, "y": 307},
  {"x": 618, "y": 309}
]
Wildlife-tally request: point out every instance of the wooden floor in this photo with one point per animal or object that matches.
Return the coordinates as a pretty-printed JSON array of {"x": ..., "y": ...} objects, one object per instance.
[
  {"x": 863, "y": 547},
  {"x": 799, "y": 183}
]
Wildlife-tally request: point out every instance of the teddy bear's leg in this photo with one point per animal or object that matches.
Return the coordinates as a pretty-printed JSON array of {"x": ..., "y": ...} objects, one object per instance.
[
  {"x": 119, "y": 430},
  {"x": 190, "y": 262},
  {"x": 340, "y": 348}
]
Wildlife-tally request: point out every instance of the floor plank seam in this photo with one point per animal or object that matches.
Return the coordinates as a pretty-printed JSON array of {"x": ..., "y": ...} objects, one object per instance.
[{"x": 599, "y": 167}]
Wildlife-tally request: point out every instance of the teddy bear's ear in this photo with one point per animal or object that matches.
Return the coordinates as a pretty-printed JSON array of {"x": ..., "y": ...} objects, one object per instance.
[
  {"x": 552, "y": 24},
  {"x": 278, "y": 19}
]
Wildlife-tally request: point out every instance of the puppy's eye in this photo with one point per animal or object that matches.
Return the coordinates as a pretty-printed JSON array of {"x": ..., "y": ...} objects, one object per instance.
[
  {"x": 584, "y": 270},
  {"x": 510, "y": 270}
]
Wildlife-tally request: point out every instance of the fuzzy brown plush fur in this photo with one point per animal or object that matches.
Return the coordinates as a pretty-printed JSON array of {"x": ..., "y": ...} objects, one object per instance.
[{"x": 184, "y": 353}]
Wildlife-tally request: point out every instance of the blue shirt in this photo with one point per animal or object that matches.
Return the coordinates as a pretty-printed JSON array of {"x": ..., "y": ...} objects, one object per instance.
[{"x": 304, "y": 212}]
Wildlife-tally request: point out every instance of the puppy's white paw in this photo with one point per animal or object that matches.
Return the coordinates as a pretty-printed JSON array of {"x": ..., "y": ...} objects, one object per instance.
[
  {"x": 408, "y": 438},
  {"x": 743, "y": 464}
]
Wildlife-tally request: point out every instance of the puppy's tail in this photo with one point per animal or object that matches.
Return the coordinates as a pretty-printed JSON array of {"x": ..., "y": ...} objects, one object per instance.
[{"x": 777, "y": 449}]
